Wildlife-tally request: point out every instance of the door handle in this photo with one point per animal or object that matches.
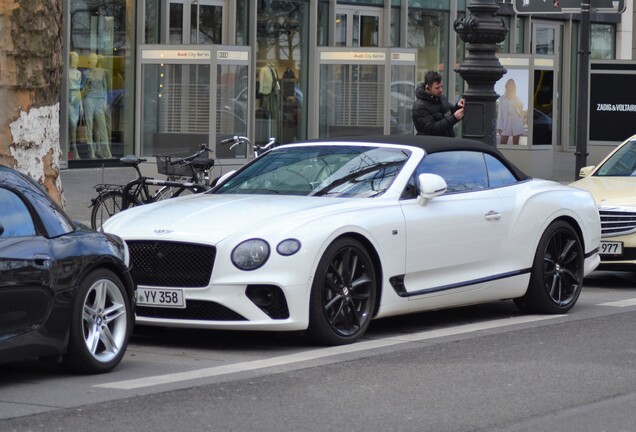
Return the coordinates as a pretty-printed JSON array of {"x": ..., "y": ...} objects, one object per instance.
[
  {"x": 42, "y": 261},
  {"x": 492, "y": 215}
]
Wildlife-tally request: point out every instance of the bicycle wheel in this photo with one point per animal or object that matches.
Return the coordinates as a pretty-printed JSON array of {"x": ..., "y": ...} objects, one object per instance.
[
  {"x": 170, "y": 192},
  {"x": 108, "y": 204},
  {"x": 176, "y": 191}
]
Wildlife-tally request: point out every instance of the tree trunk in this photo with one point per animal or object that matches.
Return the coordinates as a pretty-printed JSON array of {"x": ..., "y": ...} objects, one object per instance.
[{"x": 30, "y": 79}]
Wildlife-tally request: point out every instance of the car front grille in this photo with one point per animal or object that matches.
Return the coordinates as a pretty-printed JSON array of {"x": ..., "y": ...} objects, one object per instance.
[
  {"x": 617, "y": 221},
  {"x": 171, "y": 264}
]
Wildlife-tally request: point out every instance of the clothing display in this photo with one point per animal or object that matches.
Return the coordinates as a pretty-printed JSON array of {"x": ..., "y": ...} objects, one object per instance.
[
  {"x": 510, "y": 116},
  {"x": 95, "y": 93},
  {"x": 75, "y": 109}
]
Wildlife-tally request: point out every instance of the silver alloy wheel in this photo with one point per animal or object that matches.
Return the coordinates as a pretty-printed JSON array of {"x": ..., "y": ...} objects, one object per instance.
[{"x": 104, "y": 320}]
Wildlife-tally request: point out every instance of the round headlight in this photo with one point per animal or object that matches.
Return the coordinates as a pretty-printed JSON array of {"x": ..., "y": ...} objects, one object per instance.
[
  {"x": 288, "y": 247},
  {"x": 251, "y": 254}
]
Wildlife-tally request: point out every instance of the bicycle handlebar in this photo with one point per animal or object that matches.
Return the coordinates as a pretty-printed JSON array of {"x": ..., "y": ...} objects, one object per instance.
[
  {"x": 237, "y": 139},
  {"x": 204, "y": 148}
]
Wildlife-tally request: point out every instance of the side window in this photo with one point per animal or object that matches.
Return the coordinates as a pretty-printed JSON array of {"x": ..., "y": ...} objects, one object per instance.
[
  {"x": 463, "y": 171},
  {"x": 498, "y": 174},
  {"x": 15, "y": 218}
]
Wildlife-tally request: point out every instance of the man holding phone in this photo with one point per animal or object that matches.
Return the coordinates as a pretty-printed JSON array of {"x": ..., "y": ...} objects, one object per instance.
[{"x": 432, "y": 113}]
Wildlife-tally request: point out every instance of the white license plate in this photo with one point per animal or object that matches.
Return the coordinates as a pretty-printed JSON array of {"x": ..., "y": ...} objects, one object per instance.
[
  {"x": 172, "y": 298},
  {"x": 611, "y": 248}
]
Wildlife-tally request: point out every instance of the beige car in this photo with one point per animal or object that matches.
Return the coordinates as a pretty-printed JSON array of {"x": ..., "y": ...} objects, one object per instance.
[{"x": 613, "y": 184}]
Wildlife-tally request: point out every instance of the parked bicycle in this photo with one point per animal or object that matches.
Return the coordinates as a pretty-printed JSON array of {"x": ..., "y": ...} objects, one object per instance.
[
  {"x": 258, "y": 149},
  {"x": 183, "y": 175}
]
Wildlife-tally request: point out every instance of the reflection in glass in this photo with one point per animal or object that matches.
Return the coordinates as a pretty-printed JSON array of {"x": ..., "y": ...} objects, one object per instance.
[
  {"x": 335, "y": 171},
  {"x": 543, "y": 107},
  {"x": 176, "y": 108},
  {"x": 281, "y": 55},
  {"x": 100, "y": 80},
  {"x": 622, "y": 163},
  {"x": 351, "y": 100},
  {"x": 232, "y": 108},
  {"x": 427, "y": 32}
]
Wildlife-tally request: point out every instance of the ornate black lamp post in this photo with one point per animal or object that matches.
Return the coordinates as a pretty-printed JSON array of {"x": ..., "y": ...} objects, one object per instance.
[{"x": 481, "y": 69}]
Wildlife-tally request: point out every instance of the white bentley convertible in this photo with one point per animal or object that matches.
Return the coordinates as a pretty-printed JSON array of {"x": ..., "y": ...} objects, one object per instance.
[{"x": 325, "y": 236}]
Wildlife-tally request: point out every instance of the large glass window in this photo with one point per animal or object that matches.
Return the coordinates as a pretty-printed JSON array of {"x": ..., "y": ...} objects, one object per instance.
[
  {"x": 281, "y": 60},
  {"x": 352, "y": 100},
  {"x": 100, "y": 100},
  {"x": 602, "y": 43},
  {"x": 463, "y": 171},
  {"x": 175, "y": 108},
  {"x": 428, "y": 32}
]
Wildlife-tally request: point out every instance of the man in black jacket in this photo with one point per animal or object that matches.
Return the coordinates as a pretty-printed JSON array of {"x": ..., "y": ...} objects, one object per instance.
[{"x": 432, "y": 113}]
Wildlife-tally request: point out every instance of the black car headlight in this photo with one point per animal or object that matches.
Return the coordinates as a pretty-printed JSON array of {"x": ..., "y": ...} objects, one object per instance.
[{"x": 251, "y": 254}]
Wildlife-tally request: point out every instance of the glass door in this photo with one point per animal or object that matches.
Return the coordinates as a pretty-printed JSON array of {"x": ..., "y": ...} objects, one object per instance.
[
  {"x": 546, "y": 40},
  {"x": 196, "y": 22},
  {"x": 358, "y": 27}
]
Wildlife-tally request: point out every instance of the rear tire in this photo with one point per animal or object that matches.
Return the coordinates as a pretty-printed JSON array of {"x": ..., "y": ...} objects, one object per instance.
[
  {"x": 557, "y": 272},
  {"x": 343, "y": 294},
  {"x": 107, "y": 205}
]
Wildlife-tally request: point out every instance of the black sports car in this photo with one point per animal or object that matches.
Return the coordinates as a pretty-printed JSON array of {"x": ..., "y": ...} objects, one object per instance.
[{"x": 65, "y": 291}]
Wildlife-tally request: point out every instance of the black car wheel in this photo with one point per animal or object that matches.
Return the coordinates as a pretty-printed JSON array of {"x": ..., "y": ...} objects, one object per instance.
[
  {"x": 343, "y": 294},
  {"x": 557, "y": 272},
  {"x": 101, "y": 324}
]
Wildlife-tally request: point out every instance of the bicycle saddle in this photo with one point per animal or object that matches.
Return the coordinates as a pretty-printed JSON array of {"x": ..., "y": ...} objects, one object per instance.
[
  {"x": 202, "y": 164},
  {"x": 132, "y": 160}
]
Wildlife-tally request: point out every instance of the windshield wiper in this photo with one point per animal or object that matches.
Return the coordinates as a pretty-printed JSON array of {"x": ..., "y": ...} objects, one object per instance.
[{"x": 353, "y": 175}]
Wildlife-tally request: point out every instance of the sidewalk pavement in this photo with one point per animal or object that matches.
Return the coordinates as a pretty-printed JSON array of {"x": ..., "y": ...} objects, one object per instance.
[{"x": 78, "y": 183}]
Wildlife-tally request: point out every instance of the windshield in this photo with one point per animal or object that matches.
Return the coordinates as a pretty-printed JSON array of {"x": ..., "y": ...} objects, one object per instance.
[
  {"x": 320, "y": 170},
  {"x": 622, "y": 163}
]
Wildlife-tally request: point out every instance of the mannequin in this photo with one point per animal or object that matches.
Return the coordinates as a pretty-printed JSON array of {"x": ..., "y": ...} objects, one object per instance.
[
  {"x": 269, "y": 88},
  {"x": 95, "y": 93},
  {"x": 75, "y": 109},
  {"x": 269, "y": 93}
]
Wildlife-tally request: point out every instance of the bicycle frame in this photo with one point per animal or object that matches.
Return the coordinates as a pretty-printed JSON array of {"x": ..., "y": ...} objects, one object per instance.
[{"x": 138, "y": 188}]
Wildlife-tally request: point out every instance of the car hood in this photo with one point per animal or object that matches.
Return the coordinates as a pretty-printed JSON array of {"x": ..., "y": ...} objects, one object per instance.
[
  {"x": 212, "y": 218},
  {"x": 610, "y": 191}
]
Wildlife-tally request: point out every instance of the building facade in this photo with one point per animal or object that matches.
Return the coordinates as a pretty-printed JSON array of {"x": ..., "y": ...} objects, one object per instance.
[{"x": 163, "y": 76}]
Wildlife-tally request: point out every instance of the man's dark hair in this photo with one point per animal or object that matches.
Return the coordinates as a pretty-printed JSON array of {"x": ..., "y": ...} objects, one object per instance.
[{"x": 432, "y": 77}]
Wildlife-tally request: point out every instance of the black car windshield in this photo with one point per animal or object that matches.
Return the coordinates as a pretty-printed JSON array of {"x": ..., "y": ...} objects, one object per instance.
[
  {"x": 622, "y": 163},
  {"x": 320, "y": 170}
]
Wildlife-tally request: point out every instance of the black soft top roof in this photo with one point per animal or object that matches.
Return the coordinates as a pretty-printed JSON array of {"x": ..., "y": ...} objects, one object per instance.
[{"x": 434, "y": 144}]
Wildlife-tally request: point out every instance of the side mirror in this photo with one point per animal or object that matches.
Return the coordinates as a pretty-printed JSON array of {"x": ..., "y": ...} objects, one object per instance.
[
  {"x": 430, "y": 186},
  {"x": 586, "y": 171}
]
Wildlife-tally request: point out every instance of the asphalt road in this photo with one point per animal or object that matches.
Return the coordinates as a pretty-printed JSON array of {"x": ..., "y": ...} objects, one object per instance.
[{"x": 479, "y": 368}]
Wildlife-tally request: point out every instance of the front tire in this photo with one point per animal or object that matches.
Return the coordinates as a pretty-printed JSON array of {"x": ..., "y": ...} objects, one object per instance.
[
  {"x": 557, "y": 272},
  {"x": 101, "y": 324},
  {"x": 343, "y": 294}
]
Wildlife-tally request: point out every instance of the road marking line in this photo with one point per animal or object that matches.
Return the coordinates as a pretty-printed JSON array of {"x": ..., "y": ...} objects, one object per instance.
[
  {"x": 620, "y": 303},
  {"x": 318, "y": 353}
]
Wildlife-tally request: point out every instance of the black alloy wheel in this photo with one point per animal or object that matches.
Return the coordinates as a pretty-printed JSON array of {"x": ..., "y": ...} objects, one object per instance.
[
  {"x": 343, "y": 293},
  {"x": 557, "y": 272}
]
